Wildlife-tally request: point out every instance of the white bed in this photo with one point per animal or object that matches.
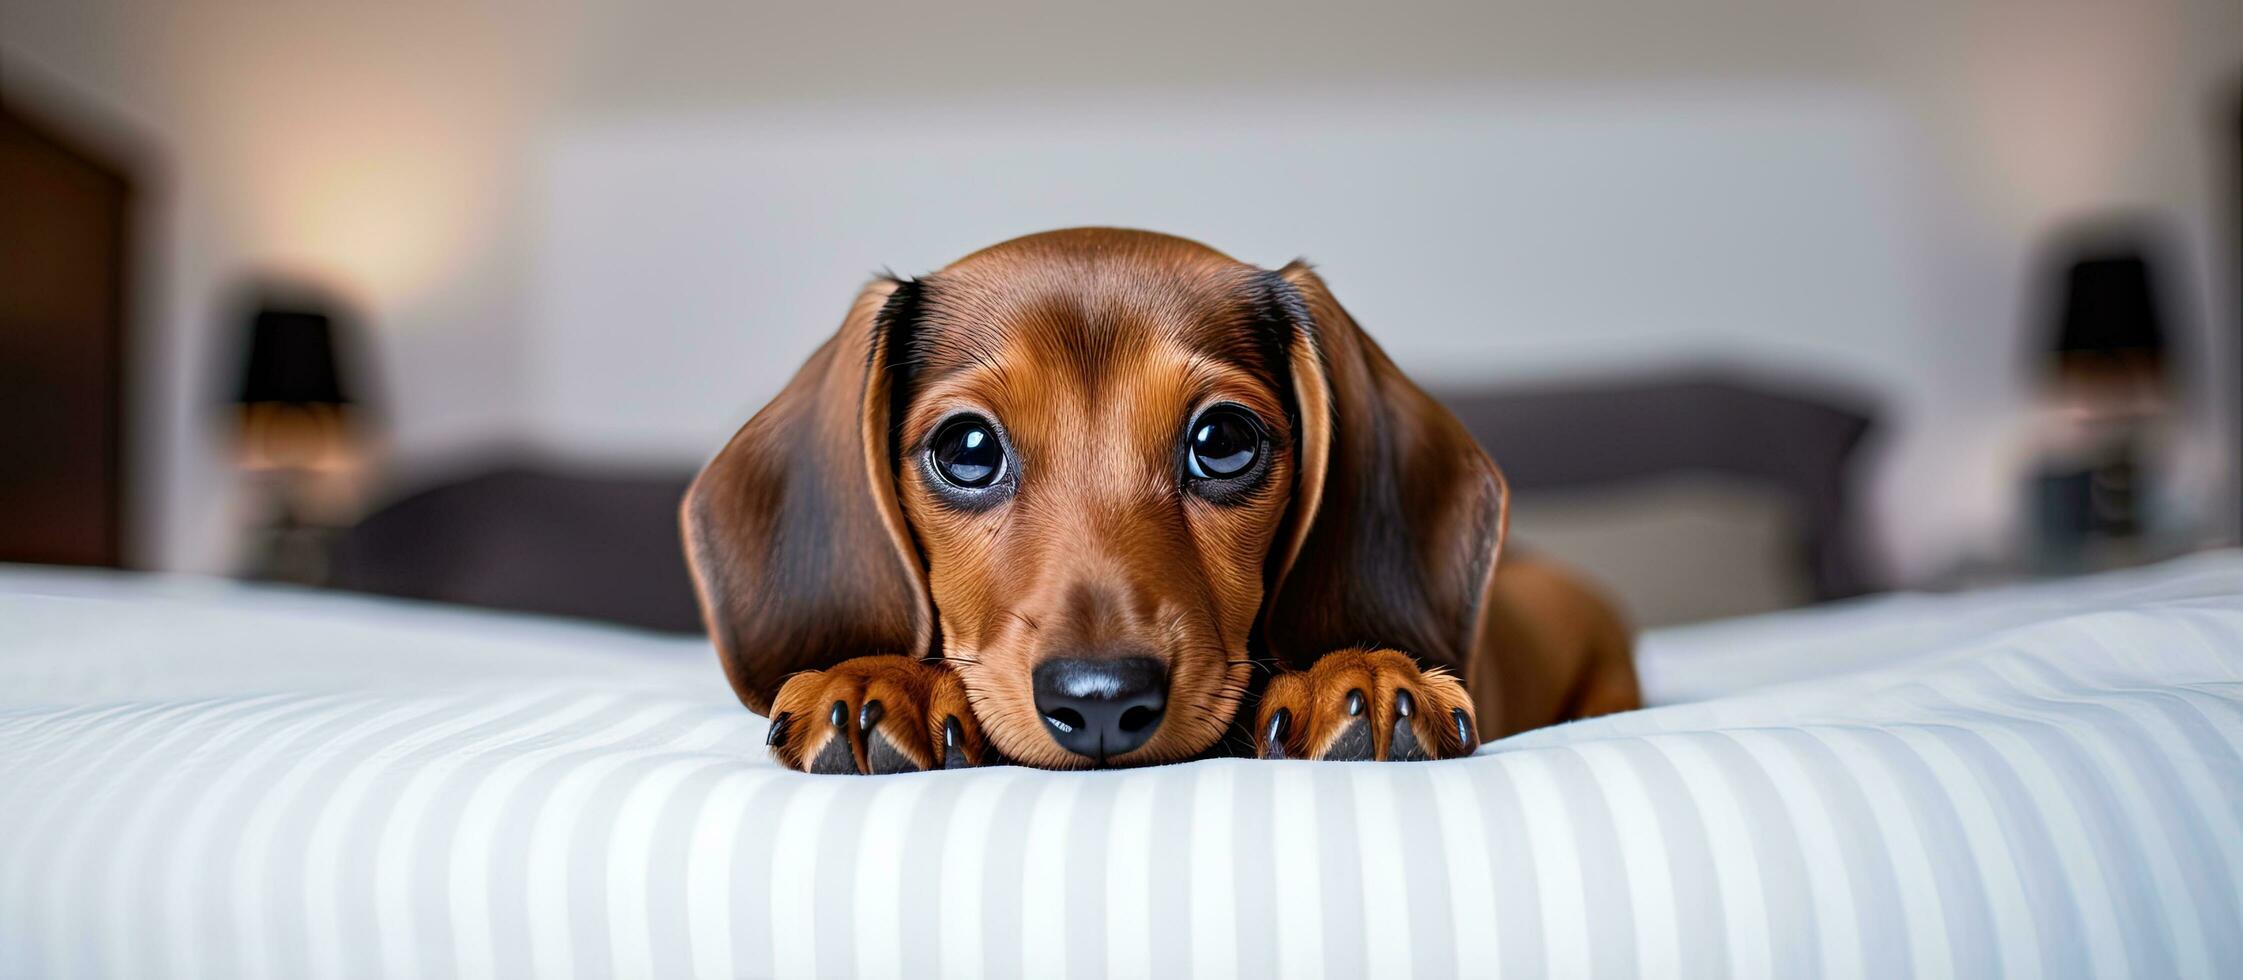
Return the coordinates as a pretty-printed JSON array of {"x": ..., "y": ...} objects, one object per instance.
[{"x": 199, "y": 778}]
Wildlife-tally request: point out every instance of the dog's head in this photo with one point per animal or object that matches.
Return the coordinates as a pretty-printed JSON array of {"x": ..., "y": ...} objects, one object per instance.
[{"x": 1101, "y": 473}]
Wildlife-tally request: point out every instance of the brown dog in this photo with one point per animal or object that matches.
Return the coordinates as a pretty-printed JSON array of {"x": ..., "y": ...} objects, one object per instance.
[{"x": 1081, "y": 497}]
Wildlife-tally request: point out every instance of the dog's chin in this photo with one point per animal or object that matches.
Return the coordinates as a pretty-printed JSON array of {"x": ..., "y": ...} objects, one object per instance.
[{"x": 1023, "y": 745}]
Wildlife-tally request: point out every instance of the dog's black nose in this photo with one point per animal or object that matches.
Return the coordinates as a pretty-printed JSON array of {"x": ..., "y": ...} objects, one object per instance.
[{"x": 1101, "y": 708}]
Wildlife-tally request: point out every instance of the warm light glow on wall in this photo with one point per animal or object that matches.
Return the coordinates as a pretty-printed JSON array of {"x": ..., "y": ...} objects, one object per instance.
[
  {"x": 2058, "y": 89},
  {"x": 384, "y": 210},
  {"x": 366, "y": 146}
]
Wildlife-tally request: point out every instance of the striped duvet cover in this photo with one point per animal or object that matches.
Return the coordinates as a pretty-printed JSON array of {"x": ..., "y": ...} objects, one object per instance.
[{"x": 207, "y": 780}]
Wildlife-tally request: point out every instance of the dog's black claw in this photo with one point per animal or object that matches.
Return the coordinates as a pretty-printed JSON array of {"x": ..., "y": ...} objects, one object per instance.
[
  {"x": 954, "y": 744},
  {"x": 836, "y": 755},
  {"x": 1404, "y": 705},
  {"x": 1464, "y": 735},
  {"x": 869, "y": 715},
  {"x": 1355, "y": 702},
  {"x": 778, "y": 732},
  {"x": 1401, "y": 743},
  {"x": 1353, "y": 743},
  {"x": 1273, "y": 738}
]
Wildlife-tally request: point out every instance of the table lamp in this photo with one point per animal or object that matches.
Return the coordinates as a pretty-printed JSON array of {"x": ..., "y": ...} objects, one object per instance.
[
  {"x": 296, "y": 424},
  {"x": 2108, "y": 391}
]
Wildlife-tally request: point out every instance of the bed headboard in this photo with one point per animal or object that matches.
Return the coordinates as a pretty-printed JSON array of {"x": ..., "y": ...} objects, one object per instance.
[{"x": 1692, "y": 495}]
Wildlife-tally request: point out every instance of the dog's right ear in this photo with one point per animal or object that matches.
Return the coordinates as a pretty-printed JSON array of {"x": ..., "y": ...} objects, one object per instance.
[
  {"x": 1398, "y": 515},
  {"x": 797, "y": 545}
]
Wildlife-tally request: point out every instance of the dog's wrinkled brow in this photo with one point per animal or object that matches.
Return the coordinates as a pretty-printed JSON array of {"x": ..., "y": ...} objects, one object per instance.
[{"x": 948, "y": 326}]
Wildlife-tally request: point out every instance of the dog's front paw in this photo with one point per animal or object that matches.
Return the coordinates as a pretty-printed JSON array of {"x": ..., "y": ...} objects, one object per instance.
[
  {"x": 875, "y": 715},
  {"x": 1364, "y": 705}
]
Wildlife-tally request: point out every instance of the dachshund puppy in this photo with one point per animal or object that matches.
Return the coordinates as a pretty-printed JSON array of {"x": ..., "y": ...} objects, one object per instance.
[{"x": 1102, "y": 498}]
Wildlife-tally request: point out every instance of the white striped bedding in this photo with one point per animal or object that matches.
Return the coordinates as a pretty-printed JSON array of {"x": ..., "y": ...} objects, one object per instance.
[{"x": 207, "y": 780}]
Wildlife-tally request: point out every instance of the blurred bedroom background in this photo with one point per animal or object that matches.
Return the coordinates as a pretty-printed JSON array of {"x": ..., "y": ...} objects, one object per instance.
[{"x": 1758, "y": 303}]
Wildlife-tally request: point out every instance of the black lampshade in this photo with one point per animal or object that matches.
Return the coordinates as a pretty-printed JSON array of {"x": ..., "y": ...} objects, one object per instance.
[
  {"x": 2109, "y": 307},
  {"x": 292, "y": 360}
]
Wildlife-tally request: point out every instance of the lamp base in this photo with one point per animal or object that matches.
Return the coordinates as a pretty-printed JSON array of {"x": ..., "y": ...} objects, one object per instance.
[{"x": 287, "y": 548}]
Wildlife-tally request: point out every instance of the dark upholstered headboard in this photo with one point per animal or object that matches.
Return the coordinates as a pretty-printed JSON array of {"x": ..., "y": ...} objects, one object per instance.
[
  {"x": 603, "y": 545},
  {"x": 535, "y": 538},
  {"x": 1604, "y": 433}
]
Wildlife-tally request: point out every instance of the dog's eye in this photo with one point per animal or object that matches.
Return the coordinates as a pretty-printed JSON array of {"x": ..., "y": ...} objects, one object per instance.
[
  {"x": 967, "y": 454},
  {"x": 1224, "y": 442}
]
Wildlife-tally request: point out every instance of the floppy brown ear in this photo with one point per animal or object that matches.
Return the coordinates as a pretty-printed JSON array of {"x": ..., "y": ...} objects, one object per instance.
[
  {"x": 1398, "y": 516},
  {"x": 798, "y": 548}
]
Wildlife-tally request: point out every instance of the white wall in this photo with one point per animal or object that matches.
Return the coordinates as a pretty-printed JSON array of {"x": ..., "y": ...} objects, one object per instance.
[
  {"x": 685, "y": 269},
  {"x": 509, "y": 188}
]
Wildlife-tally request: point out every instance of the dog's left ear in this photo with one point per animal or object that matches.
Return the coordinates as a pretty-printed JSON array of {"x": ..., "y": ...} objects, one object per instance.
[
  {"x": 798, "y": 548},
  {"x": 1398, "y": 516}
]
